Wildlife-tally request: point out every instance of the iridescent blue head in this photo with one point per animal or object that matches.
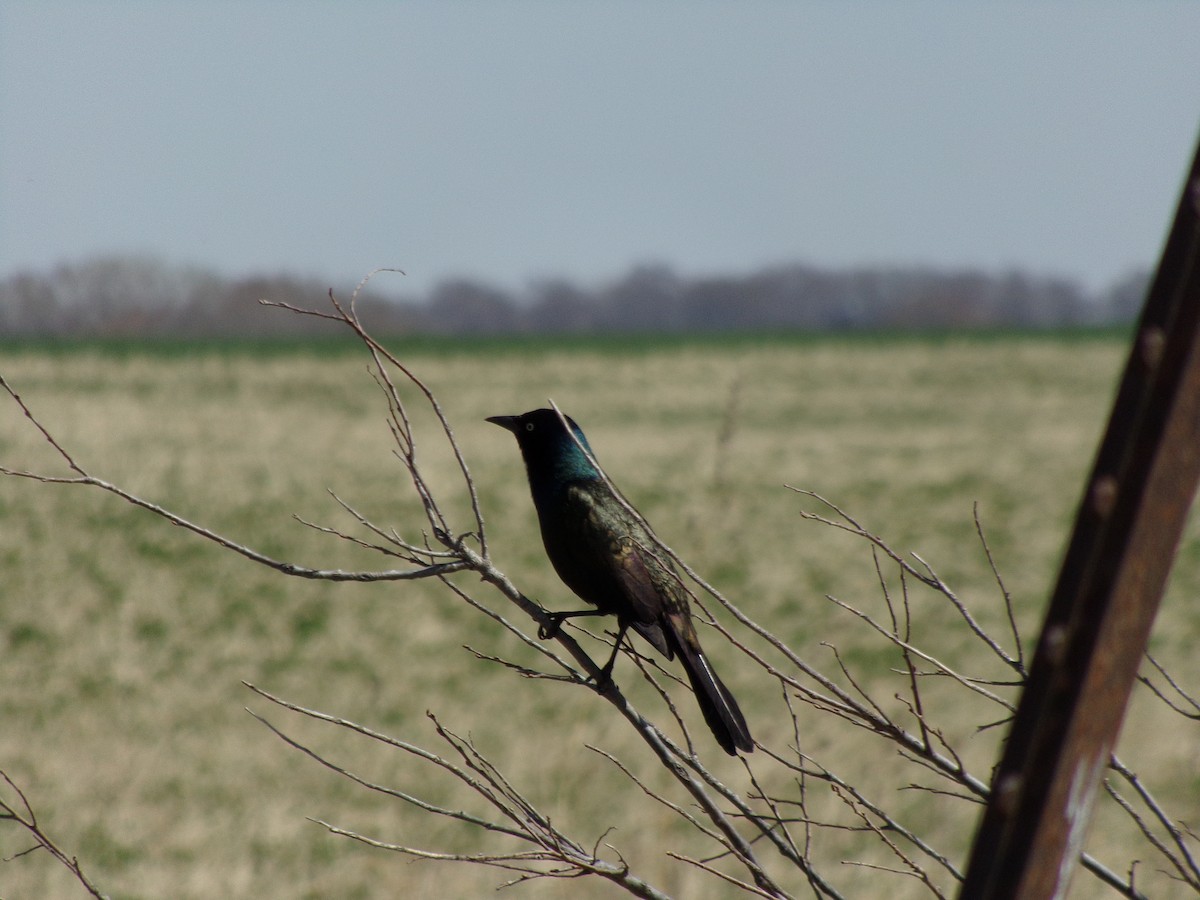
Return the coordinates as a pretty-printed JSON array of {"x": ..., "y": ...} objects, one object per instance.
[{"x": 551, "y": 456}]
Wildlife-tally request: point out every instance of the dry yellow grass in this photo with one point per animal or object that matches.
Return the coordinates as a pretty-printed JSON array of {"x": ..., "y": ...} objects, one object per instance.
[{"x": 124, "y": 641}]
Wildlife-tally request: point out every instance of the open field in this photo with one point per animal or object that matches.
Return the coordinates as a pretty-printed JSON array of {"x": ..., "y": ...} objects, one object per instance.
[{"x": 124, "y": 641}]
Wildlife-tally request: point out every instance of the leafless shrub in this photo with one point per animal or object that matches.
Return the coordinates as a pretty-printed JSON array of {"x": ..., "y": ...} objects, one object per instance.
[{"x": 773, "y": 836}]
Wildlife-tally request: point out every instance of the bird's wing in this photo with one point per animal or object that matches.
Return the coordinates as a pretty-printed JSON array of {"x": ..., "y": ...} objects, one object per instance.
[
  {"x": 642, "y": 589},
  {"x": 624, "y": 581},
  {"x": 674, "y": 627}
]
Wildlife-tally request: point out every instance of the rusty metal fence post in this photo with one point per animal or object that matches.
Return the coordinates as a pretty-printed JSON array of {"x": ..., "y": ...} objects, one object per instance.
[{"x": 1113, "y": 574}]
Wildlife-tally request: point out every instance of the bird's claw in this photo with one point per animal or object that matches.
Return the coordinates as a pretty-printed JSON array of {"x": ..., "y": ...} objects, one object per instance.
[
  {"x": 604, "y": 680},
  {"x": 551, "y": 630}
]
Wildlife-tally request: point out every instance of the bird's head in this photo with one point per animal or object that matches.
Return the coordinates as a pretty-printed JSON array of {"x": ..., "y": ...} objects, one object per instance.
[{"x": 547, "y": 446}]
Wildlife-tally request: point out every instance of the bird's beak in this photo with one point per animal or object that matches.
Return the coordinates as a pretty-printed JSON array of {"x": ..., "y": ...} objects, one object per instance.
[{"x": 509, "y": 422}]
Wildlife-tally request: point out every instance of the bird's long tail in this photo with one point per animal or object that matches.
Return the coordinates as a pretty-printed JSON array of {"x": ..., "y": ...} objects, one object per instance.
[{"x": 721, "y": 711}]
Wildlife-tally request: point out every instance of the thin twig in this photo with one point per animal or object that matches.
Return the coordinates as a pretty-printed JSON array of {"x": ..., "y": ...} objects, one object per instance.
[{"x": 23, "y": 815}]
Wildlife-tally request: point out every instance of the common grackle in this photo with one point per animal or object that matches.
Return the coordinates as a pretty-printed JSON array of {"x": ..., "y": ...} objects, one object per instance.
[{"x": 607, "y": 557}]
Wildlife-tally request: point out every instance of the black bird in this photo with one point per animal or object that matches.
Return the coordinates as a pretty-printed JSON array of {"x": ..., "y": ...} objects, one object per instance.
[{"x": 607, "y": 557}]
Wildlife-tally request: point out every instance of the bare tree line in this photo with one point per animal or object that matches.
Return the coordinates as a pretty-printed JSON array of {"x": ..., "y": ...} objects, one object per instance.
[{"x": 138, "y": 296}]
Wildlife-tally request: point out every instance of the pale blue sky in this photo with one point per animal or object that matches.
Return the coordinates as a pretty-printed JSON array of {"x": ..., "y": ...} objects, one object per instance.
[{"x": 513, "y": 140}]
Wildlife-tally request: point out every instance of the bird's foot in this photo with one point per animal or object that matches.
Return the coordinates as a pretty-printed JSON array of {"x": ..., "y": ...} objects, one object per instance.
[
  {"x": 553, "y": 627},
  {"x": 604, "y": 680}
]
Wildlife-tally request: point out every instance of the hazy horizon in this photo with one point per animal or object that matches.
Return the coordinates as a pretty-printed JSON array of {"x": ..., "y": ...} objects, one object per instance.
[{"x": 522, "y": 140}]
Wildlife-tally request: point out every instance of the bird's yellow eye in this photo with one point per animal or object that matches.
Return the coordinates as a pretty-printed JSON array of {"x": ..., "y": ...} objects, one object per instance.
[{"x": 529, "y": 426}]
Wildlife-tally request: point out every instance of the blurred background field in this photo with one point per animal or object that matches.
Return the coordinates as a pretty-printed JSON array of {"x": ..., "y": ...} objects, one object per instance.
[{"x": 124, "y": 641}]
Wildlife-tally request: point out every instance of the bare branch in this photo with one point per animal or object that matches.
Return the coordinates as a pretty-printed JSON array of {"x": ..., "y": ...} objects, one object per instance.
[
  {"x": 21, "y": 813},
  {"x": 1191, "y": 709},
  {"x": 554, "y": 853}
]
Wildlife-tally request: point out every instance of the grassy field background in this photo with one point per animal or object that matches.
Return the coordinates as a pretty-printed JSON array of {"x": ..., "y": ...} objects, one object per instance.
[{"x": 124, "y": 641}]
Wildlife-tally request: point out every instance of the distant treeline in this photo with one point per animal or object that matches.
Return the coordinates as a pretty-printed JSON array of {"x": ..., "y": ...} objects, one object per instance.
[{"x": 132, "y": 297}]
